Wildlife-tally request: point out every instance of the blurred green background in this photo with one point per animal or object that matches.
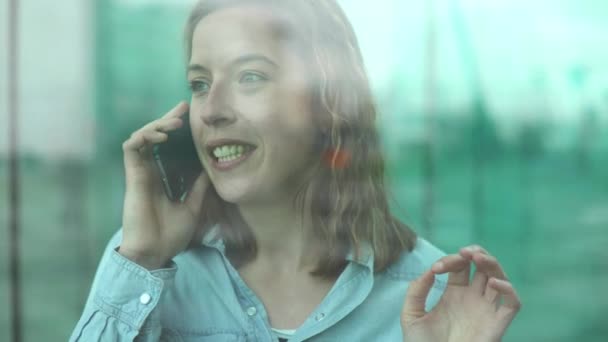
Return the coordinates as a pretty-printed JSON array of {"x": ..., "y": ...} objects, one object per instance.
[{"x": 494, "y": 119}]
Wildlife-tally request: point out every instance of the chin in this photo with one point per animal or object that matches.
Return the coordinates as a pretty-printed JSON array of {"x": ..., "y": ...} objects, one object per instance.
[
  {"x": 230, "y": 195},
  {"x": 247, "y": 194},
  {"x": 236, "y": 192}
]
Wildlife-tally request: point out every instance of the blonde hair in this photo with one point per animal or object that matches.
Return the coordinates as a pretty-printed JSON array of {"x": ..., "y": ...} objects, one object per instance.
[{"x": 349, "y": 205}]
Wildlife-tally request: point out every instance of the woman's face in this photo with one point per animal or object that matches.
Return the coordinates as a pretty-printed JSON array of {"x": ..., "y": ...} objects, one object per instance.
[{"x": 250, "y": 106}]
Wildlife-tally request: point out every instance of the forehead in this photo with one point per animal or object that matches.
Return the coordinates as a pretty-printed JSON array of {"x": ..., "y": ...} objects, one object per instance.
[{"x": 234, "y": 30}]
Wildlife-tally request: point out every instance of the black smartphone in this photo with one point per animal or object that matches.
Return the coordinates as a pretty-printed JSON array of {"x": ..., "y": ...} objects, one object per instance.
[{"x": 177, "y": 161}]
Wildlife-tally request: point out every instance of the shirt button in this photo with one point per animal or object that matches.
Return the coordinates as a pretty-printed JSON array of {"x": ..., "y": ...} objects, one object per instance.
[
  {"x": 145, "y": 298},
  {"x": 319, "y": 317},
  {"x": 251, "y": 310}
]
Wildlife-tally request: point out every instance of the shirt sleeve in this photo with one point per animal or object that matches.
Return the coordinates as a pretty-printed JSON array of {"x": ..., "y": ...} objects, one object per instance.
[{"x": 124, "y": 298}]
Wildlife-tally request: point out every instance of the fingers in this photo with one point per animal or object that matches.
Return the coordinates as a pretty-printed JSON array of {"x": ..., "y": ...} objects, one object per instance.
[
  {"x": 459, "y": 268},
  {"x": 131, "y": 150},
  {"x": 154, "y": 137},
  {"x": 489, "y": 265},
  {"x": 177, "y": 111},
  {"x": 468, "y": 251},
  {"x": 152, "y": 133},
  {"x": 195, "y": 198},
  {"x": 489, "y": 281},
  {"x": 486, "y": 266},
  {"x": 480, "y": 280},
  {"x": 167, "y": 123},
  {"x": 491, "y": 294},
  {"x": 511, "y": 302},
  {"x": 163, "y": 125},
  {"x": 139, "y": 142},
  {"x": 415, "y": 298}
]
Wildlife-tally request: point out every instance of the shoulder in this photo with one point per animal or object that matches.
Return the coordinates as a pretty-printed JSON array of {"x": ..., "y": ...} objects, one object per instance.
[
  {"x": 115, "y": 240},
  {"x": 412, "y": 264}
]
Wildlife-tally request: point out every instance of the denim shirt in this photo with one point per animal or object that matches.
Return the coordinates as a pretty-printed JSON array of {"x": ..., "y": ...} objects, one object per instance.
[{"x": 201, "y": 297}]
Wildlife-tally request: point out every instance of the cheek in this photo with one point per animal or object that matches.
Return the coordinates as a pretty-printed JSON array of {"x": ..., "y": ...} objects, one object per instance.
[
  {"x": 196, "y": 126},
  {"x": 295, "y": 117},
  {"x": 195, "y": 108},
  {"x": 257, "y": 107}
]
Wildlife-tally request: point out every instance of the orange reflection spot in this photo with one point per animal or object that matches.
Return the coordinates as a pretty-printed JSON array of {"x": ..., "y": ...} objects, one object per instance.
[{"x": 336, "y": 159}]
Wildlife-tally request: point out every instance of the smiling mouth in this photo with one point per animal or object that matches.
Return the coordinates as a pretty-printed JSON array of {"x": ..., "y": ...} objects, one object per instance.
[
  {"x": 227, "y": 155},
  {"x": 230, "y": 152}
]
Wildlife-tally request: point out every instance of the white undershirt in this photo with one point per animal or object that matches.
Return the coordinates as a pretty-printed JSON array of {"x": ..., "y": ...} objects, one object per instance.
[{"x": 284, "y": 333}]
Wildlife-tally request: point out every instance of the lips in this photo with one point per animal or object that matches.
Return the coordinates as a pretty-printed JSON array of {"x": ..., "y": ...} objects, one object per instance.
[
  {"x": 226, "y": 154},
  {"x": 232, "y": 163}
]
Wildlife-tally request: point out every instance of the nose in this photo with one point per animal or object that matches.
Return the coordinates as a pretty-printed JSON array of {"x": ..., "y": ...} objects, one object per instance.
[{"x": 217, "y": 111}]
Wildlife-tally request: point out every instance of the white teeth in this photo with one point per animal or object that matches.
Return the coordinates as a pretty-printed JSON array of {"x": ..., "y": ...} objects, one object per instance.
[
  {"x": 229, "y": 152},
  {"x": 227, "y": 159}
]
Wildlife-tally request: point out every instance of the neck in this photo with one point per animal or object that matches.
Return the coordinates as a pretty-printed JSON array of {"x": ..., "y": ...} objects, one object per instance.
[{"x": 283, "y": 236}]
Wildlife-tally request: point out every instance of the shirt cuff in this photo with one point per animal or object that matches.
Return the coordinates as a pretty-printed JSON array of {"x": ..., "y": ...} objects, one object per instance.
[{"x": 130, "y": 292}]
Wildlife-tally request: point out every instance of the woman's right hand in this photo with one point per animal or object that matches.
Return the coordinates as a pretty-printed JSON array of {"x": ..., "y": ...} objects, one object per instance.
[{"x": 154, "y": 228}]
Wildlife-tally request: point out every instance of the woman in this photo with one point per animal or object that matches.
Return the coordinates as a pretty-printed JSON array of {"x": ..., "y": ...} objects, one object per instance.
[{"x": 287, "y": 235}]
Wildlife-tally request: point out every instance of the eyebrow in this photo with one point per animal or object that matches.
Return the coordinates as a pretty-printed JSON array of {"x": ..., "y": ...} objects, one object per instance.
[{"x": 239, "y": 60}]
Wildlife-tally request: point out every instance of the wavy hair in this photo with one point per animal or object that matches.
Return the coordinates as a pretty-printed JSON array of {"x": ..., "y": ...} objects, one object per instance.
[{"x": 349, "y": 205}]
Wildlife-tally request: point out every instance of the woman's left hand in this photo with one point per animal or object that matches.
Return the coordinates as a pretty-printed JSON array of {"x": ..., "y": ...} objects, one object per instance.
[{"x": 468, "y": 311}]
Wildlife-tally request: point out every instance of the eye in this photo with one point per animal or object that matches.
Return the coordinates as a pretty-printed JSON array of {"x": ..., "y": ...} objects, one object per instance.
[
  {"x": 199, "y": 87},
  {"x": 252, "y": 77}
]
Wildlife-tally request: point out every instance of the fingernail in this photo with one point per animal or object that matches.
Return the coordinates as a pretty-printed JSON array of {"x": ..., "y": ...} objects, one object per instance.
[
  {"x": 438, "y": 266},
  {"x": 499, "y": 281}
]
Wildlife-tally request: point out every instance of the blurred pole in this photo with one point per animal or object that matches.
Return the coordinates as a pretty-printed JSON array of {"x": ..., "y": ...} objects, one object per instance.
[
  {"x": 428, "y": 202},
  {"x": 474, "y": 77},
  {"x": 14, "y": 209},
  {"x": 579, "y": 77},
  {"x": 530, "y": 150}
]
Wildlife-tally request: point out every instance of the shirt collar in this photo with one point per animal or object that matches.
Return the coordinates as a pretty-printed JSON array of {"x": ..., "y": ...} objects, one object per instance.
[
  {"x": 213, "y": 239},
  {"x": 366, "y": 254}
]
